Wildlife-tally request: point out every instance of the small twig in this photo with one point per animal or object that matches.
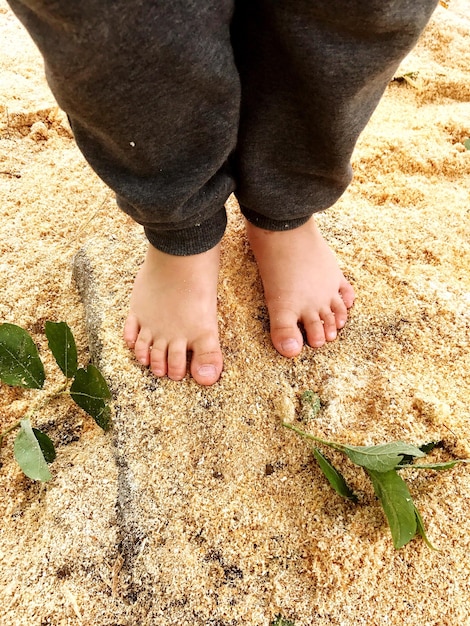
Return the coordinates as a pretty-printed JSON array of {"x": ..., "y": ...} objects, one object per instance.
[
  {"x": 117, "y": 567},
  {"x": 90, "y": 219},
  {"x": 451, "y": 431},
  {"x": 11, "y": 174},
  {"x": 45, "y": 401},
  {"x": 73, "y": 602}
]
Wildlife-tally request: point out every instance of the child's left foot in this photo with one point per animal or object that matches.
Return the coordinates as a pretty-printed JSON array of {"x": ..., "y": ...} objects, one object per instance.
[{"x": 302, "y": 284}]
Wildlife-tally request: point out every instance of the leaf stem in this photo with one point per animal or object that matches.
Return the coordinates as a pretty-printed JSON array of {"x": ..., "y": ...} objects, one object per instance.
[
  {"x": 9, "y": 430},
  {"x": 443, "y": 465},
  {"x": 37, "y": 407},
  {"x": 45, "y": 401},
  {"x": 330, "y": 444}
]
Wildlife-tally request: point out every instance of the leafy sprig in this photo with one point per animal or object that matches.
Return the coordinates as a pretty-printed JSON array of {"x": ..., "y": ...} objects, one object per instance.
[
  {"x": 21, "y": 366},
  {"x": 382, "y": 463}
]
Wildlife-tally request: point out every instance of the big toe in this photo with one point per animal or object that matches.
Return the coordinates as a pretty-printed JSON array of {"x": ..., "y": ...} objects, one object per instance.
[
  {"x": 206, "y": 361},
  {"x": 286, "y": 335}
]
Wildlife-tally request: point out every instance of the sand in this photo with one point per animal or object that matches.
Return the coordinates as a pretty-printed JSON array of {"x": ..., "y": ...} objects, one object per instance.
[{"x": 198, "y": 507}]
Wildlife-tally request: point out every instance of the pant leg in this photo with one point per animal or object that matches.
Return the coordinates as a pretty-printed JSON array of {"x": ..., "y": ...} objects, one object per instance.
[
  {"x": 312, "y": 73},
  {"x": 152, "y": 94}
]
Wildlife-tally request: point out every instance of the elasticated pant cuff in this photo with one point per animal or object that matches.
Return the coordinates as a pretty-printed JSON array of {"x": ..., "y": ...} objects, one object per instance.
[
  {"x": 193, "y": 240},
  {"x": 261, "y": 221}
]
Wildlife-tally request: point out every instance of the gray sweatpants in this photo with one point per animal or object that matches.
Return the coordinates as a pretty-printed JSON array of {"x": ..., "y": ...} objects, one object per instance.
[{"x": 177, "y": 103}]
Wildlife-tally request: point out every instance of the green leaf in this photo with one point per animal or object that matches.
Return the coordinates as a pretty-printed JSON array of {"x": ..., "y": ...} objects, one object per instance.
[
  {"x": 398, "y": 506},
  {"x": 90, "y": 391},
  {"x": 422, "y": 530},
  {"x": 466, "y": 143},
  {"x": 334, "y": 477},
  {"x": 46, "y": 445},
  {"x": 381, "y": 458},
  {"x": 29, "y": 455},
  {"x": 62, "y": 345},
  {"x": 20, "y": 364}
]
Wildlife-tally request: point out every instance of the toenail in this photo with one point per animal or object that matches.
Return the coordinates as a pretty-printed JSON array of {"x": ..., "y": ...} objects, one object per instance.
[
  {"x": 207, "y": 370},
  {"x": 290, "y": 344}
]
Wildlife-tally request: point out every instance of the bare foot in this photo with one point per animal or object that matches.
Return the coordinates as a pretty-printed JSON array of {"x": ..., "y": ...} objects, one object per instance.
[
  {"x": 302, "y": 284},
  {"x": 173, "y": 310}
]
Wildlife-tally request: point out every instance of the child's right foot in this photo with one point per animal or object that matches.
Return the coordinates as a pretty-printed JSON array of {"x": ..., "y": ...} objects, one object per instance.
[{"x": 173, "y": 310}]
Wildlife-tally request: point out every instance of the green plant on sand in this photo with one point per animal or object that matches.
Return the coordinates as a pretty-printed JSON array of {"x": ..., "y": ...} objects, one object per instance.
[
  {"x": 21, "y": 366},
  {"x": 382, "y": 463}
]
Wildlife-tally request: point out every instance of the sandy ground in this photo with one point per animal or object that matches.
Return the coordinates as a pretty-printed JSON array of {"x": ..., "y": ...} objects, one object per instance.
[{"x": 199, "y": 508}]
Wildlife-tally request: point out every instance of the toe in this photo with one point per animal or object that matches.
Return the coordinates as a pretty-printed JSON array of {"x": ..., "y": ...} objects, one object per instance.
[
  {"x": 131, "y": 331},
  {"x": 315, "y": 332},
  {"x": 285, "y": 333},
  {"x": 177, "y": 360},
  {"x": 158, "y": 358},
  {"x": 207, "y": 361},
  {"x": 329, "y": 325},
  {"x": 142, "y": 347},
  {"x": 340, "y": 311},
  {"x": 347, "y": 293}
]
